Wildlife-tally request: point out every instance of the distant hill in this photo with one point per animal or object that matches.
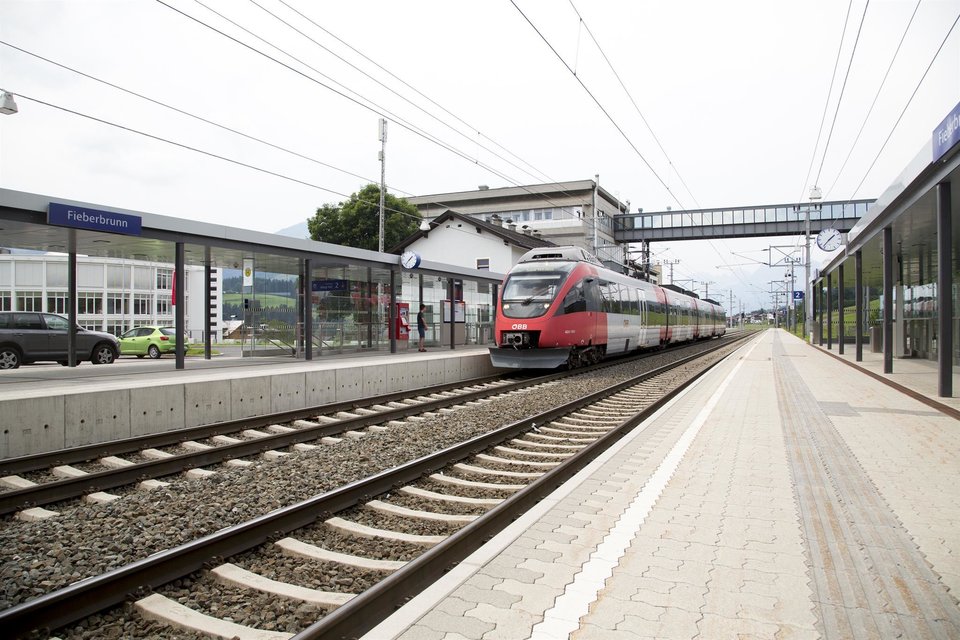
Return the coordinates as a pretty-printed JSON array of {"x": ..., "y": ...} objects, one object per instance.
[{"x": 298, "y": 231}]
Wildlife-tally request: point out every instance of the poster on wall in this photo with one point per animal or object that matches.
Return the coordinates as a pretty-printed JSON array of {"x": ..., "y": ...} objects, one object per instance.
[{"x": 459, "y": 311}]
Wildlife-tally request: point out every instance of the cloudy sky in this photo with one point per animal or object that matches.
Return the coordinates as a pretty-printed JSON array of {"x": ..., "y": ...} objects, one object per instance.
[{"x": 687, "y": 104}]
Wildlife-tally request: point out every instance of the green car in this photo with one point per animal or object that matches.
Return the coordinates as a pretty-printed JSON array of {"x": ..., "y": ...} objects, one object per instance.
[{"x": 148, "y": 341}]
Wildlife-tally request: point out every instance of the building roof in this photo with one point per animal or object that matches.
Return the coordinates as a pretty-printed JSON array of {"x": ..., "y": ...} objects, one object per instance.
[
  {"x": 516, "y": 238},
  {"x": 566, "y": 193}
]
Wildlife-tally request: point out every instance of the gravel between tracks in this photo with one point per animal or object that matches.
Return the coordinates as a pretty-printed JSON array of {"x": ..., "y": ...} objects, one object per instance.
[{"x": 86, "y": 540}]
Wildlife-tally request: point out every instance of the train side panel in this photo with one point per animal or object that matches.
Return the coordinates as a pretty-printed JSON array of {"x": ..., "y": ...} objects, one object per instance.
[{"x": 561, "y": 306}]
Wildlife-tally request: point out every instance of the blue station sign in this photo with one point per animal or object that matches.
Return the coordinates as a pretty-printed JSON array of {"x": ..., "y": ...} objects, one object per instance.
[
  {"x": 328, "y": 285},
  {"x": 798, "y": 295},
  {"x": 947, "y": 134},
  {"x": 68, "y": 215}
]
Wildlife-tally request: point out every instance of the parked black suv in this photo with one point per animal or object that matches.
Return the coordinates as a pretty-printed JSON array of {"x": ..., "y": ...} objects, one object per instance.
[{"x": 27, "y": 337}]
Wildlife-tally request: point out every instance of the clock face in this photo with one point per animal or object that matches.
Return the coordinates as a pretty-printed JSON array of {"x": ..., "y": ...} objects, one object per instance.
[
  {"x": 829, "y": 239},
  {"x": 410, "y": 260}
]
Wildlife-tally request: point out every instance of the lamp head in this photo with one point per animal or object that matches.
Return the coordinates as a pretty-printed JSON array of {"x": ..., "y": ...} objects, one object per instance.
[{"x": 7, "y": 104}]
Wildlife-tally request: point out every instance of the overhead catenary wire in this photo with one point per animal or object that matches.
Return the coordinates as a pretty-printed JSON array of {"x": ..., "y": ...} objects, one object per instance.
[
  {"x": 873, "y": 104},
  {"x": 843, "y": 87},
  {"x": 201, "y": 118},
  {"x": 907, "y": 105},
  {"x": 185, "y": 112},
  {"x": 826, "y": 104},
  {"x": 217, "y": 156},
  {"x": 612, "y": 120},
  {"x": 373, "y": 107},
  {"x": 633, "y": 102},
  {"x": 598, "y": 103},
  {"x": 470, "y": 126}
]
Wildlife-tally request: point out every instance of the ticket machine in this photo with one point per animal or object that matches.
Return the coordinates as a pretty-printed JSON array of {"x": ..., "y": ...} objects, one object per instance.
[{"x": 401, "y": 327}]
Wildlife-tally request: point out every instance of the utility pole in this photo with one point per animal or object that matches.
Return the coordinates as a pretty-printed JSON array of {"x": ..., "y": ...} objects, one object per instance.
[
  {"x": 383, "y": 176},
  {"x": 669, "y": 263},
  {"x": 815, "y": 194},
  {"x": 706, "y": 289}
]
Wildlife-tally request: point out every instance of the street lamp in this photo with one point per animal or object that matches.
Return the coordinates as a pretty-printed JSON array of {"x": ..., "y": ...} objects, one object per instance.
[{"x": 8, "y": 105}]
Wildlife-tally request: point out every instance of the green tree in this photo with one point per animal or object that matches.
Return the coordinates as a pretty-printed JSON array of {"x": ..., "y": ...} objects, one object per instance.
[{"x": 356, "y": 222}]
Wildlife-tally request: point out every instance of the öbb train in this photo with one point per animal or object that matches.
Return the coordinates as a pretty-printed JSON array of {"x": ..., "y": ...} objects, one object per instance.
[{"x": 561, "y": 306}]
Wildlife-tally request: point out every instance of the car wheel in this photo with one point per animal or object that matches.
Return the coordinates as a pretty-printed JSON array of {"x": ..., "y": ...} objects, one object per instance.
[
  {"x": 10, "y": 358},
  {"x": 153, "y": 351},
  {"x": 103, "y": 354}
]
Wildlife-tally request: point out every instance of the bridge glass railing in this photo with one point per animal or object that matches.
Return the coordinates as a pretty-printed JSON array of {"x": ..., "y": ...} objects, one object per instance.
[{"x": 750, "y": 215}]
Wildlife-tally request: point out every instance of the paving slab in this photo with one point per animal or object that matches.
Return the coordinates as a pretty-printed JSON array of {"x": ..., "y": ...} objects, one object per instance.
[{"x": 784, "y": 495}]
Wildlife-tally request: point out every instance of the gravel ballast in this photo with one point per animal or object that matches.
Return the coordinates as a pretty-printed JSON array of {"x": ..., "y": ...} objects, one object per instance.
[{"x": 87, "y": 540}]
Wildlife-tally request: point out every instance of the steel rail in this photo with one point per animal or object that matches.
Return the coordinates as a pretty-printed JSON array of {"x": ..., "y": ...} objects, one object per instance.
[
  {"x": 88, "y": 596},
  {"x": 368, "y": 609},
  {"x": 38, "y": 461},
  {"x": 34, "y": 462},
  {"x": 67, "y": 488}
]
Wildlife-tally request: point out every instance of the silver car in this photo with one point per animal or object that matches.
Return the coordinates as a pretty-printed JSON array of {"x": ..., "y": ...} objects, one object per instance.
[{"x": 27, "y": 337}]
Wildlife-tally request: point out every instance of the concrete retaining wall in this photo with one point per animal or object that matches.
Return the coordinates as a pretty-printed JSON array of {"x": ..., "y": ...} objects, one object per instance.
[{"x": 69, "y": 419}]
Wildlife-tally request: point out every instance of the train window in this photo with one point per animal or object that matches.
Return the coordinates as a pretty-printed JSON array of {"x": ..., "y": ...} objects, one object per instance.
[
  {"x": 532, "y": 287},
  {"x": 592, "y": 288},
  {"x": 575, "y": 300},
  {"x": 606, "y": 296},
  {"x": 529, "y": 295}
]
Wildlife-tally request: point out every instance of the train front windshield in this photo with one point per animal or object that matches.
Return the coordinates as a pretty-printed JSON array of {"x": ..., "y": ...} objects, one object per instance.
[{"x": 529, "y": 294}]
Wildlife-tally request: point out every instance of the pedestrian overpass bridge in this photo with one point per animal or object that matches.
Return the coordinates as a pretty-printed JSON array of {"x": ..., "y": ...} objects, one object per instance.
[{"x": 738, "y": 222}]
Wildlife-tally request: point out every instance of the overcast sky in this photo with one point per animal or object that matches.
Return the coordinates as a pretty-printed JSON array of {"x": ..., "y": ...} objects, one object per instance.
[{"x": 735, "y": 93}]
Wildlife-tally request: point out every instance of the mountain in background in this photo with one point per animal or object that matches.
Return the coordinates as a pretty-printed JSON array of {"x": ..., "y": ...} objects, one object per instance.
[{"x": 298, "y": 231}]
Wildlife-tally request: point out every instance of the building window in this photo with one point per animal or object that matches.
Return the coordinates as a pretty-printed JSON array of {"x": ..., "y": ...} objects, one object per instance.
[
  {"x": 6, "y": 301},
  {"x": 89, "y": 303},
  {"x": 164, "y": 308},
  {"x": 483, "y": 263},
  {"x": 165, "y": 279},
  {"x": 141, "y": 304},
  {"x": 29, "y": 301},
  {"x": 115, "y": 329},
  {"x": 117, "y": 304},
  {"x": 58, "y": 302}
]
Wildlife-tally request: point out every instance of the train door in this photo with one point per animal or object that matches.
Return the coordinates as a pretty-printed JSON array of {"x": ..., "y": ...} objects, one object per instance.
[
  {"x": 698, "y": 318},
  {"x": 613, "y": 316},
  {"x": 596, "y": 326},
  {"x": 664, "y": 317},
  {"x": 631, "y": 303},
  {"x": 646, "y": 333}
]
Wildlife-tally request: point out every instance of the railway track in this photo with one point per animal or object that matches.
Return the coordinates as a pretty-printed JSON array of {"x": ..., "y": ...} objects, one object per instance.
[
  {"x": 447, "y": 503},
  {"x": 30, "y": 482},
  {"x": 43, "y": 479}
]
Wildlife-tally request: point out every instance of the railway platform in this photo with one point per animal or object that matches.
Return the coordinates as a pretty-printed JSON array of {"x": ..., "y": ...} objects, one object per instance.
[
  {"x": 783, "y": 495},
  {"x": 46, "y": 407}
]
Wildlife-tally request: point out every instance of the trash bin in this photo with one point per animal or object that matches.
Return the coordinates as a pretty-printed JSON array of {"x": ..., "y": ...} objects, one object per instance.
[{"x": 876, "y": 339}]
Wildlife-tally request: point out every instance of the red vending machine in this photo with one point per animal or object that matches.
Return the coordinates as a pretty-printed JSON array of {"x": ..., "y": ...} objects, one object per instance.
[{"x": 402, "y": 322}]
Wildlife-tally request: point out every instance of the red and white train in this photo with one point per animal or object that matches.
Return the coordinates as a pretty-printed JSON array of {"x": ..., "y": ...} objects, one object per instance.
[{"x": 561, "y": 306}]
